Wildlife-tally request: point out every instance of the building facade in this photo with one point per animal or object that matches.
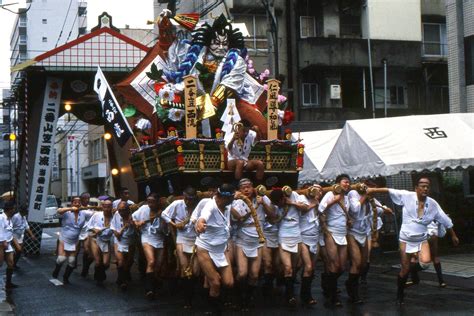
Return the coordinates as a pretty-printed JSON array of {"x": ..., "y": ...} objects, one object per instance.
[
  {"x": 6, "y": 146},
  {"x": 324, "y": 62},
  {"x": 44, "y": 25},
  {"x": 363, "y": 59},
  {"x": 460, "y": 38},
  {"x": 460, "y": 35}
]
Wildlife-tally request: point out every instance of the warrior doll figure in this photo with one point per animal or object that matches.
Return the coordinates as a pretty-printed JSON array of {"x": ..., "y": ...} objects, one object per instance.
[{"x": 216, "y": 57}]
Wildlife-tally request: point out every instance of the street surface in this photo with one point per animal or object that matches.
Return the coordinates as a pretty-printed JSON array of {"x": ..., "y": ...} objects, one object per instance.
[{"x": 36, "y": 295}]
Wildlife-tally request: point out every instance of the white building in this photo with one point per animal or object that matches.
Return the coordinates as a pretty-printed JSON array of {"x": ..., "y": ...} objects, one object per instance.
[
  {"x": 70, "y": 156},
  {"x": 460, "y": 33},
  {"x": 44, "y": 25}
]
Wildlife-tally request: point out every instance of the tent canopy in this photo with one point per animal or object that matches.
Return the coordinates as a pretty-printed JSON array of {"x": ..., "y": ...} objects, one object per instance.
[
  {"x": 389, "y": 146},
  {"x": 318, "y": 146}
]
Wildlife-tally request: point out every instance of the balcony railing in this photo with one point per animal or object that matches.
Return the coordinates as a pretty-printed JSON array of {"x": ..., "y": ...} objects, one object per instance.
[{"x": 434, "y": 49}]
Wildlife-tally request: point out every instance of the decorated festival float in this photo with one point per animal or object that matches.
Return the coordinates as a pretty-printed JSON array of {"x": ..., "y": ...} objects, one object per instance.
[{"x": 190, "y": 95}]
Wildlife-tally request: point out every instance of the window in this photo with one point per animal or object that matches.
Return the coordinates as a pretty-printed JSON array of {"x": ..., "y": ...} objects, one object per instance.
[
  {"x": 45, "y": 39},
  {"x": 395, "y": 96},
  {"x": 51, "y": 201},
  {"x": 310, "y": 94},
  {"x": 434, "y": 39},
  {"x": 257, "y": 28},
  {"x": 349, "y": 19},
  {"x": 44, "y": 21},
  {"x": 469, "y": 59},
  {"x": 307, "y": 26},
  {"x": 82, "y": 11},
  {"x": 97, "y": 149}
]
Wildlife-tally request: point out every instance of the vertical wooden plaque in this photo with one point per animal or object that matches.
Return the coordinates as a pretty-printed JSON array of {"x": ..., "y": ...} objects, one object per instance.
[
  {"x": 272, "y": 101},
  {"x": 190, "y": 94}
]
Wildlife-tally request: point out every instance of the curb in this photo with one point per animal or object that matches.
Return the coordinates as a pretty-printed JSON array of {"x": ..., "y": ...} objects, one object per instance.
[{"x": 6, "y": 307}]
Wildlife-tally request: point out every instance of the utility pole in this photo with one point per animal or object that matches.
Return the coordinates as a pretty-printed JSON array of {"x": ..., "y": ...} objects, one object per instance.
[
  {"x": 384, "y": 62},
  {"x": 369, "y": 49},
  {"x": 272, "y": 37}
]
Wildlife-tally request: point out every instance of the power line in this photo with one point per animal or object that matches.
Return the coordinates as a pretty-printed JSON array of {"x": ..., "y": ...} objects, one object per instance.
[
  {"x": 64, "y": 23},
  {"x": 72, "y": 28}
]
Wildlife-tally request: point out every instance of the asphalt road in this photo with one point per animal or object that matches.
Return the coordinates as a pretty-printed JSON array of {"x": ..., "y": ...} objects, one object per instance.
[{"x": 36, "y": 295}]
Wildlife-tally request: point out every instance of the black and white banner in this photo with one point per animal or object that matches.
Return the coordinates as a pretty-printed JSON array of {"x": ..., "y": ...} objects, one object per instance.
[
  {"x": 111, "y": 109},
  {"x": 44, "y": 150}
]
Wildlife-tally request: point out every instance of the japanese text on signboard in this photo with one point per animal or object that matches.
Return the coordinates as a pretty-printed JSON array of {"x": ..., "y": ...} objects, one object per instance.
[
  {"x": 190, "y": 91},
  {"x": 44, "y": 149},
  {"x": 272, "y": 101}
]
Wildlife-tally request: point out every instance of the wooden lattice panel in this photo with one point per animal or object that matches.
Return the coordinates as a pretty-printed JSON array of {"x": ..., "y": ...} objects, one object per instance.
[
  {"x": 150, "y": 160},
  {"x": 191, "y": 160},
  {"x": 168, "y": 161},
  {"x": 204, "y": 156},
  {"x": 212, "y": 159},
  {"x": 138, "y": 169},
  {"x": 281, "y": 162}
]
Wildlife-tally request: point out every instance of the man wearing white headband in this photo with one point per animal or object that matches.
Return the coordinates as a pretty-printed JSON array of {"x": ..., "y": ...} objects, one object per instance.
[
  {"x": 248, "y": 246},
  {"x": 309, "y": 227},
  {"x": 239, "y": 148},
  {"x": 178, "y": 215},
  {"x": 213, "y": 229},
  {"x": 419, "y": 211}
]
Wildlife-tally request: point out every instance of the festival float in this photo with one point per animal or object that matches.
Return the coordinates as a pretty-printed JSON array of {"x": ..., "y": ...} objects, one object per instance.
[{"x": 196, "y": 90}]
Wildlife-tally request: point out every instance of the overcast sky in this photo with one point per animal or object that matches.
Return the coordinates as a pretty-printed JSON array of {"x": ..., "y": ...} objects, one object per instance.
[{"x": 134, "y": 13}]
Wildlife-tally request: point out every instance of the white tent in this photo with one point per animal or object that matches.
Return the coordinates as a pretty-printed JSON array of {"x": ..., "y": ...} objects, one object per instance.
[
  {"x": 318, "y": 146},
  {"x": 411, "y": 143}
]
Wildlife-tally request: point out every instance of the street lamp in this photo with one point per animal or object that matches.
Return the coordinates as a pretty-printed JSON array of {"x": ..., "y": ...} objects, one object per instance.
[
  {"x": 114, "y": 171},
  {"x": 68, "y": 107},
  {"x": 9, "y": 136},
  {"x": 107, "y": 136}
]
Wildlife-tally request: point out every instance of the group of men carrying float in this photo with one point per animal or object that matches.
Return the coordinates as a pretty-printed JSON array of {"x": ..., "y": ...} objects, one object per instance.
[{"x": 229, "y": 239}]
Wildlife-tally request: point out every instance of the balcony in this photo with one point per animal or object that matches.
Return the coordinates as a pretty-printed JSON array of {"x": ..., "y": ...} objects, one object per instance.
[
  {"x": 352, "y": 52},
  {"x": 22, "y": 22},
  {"x": 434, "y": 50},
  {"x": 23, "y": 40}
]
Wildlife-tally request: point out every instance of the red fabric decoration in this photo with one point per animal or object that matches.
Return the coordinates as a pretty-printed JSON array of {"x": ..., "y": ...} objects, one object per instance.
[
  {"x": 159, "y": 85},
  {"x": 288, "y": 117}
]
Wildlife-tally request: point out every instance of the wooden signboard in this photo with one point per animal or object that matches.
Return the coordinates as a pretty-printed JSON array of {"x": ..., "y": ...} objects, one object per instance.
[
  {"x": 190, "y": 94},
  {"x": 272, "y": 101}
]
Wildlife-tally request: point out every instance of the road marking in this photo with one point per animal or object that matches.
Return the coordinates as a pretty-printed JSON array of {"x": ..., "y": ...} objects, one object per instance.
[
  {"x": 56, "y": 282},
  {"x": 46, "y": 236}
]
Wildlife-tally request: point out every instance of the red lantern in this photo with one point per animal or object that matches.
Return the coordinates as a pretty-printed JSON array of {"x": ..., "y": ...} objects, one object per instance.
[
  {"x": 161, "y": 134},
  {"x": 300, "y": 157},
  {"x": 218, "y": 133},
  {"x": 146, "y": 139},
  {"x": 179, "y": 155},
  {"x": 172, "y": 131}
]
